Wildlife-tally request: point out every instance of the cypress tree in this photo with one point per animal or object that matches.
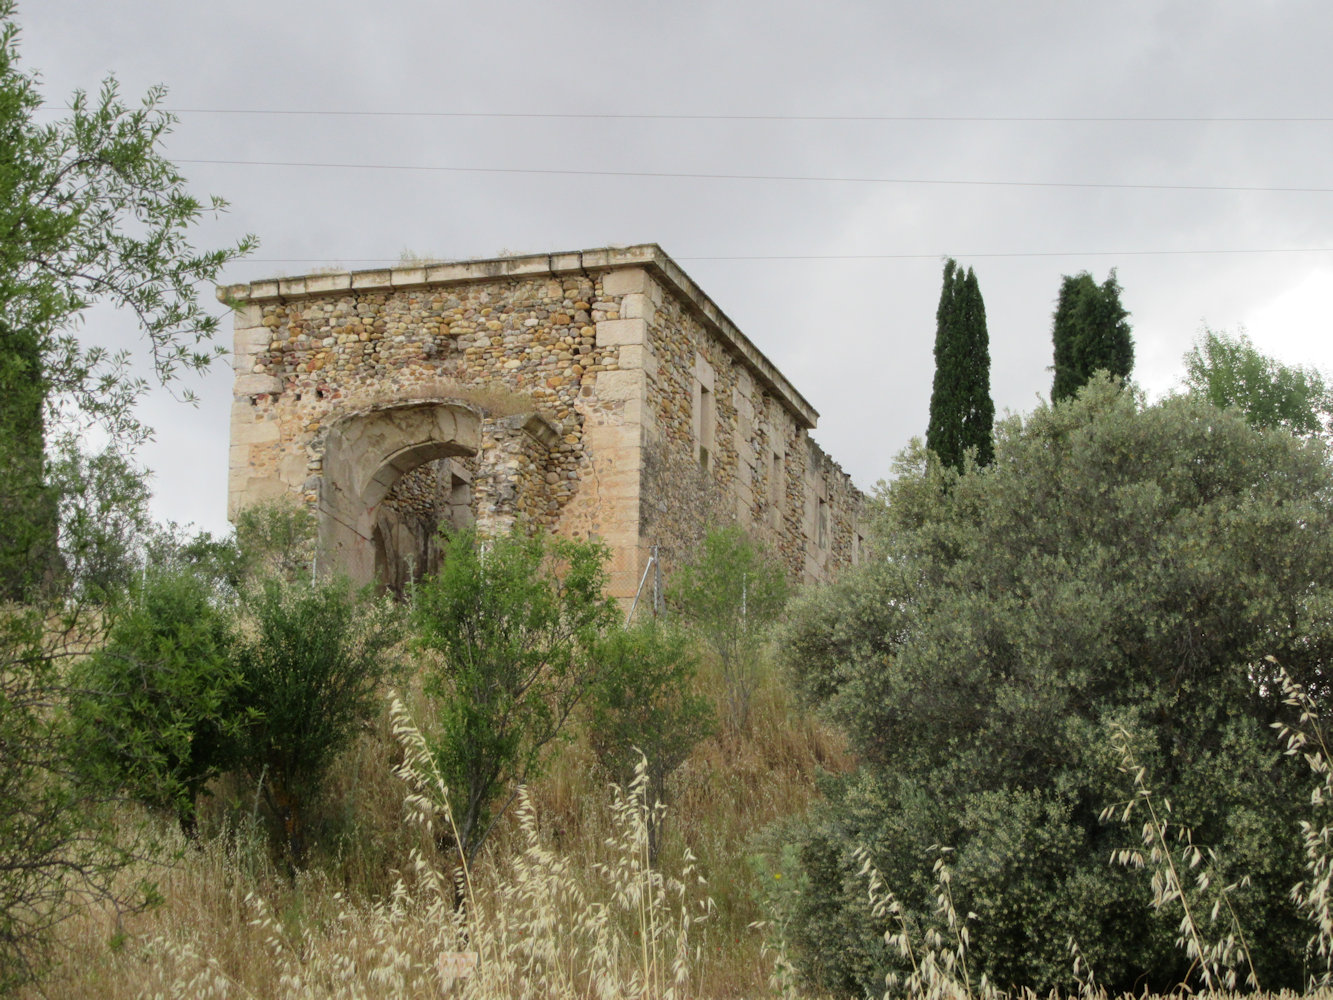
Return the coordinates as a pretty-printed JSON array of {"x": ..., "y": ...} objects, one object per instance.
[
  {"x": 961, "y": 410},
  {"x": 1090, "y": 334},
  {"x": 979, "y": 411}
]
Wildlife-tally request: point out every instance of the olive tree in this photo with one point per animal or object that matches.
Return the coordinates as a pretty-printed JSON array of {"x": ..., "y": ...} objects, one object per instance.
[
  {"x": 1119, "y": 565},
  {"x": 90, "y": 211}
]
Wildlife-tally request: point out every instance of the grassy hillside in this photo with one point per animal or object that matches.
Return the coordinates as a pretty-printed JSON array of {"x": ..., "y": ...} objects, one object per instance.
[{"x": 563, "y": 893}]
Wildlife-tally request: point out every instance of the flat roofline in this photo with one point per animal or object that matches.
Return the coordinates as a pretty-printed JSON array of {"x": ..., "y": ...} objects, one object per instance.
[{"x": 648, "y": 256}]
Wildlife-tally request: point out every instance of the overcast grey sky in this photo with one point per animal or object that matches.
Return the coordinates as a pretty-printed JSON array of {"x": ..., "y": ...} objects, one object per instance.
[{"x": 942, "y": 93}]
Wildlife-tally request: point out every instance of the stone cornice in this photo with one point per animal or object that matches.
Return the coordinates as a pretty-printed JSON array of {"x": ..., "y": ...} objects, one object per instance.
[{"x": 648, "y": 256}]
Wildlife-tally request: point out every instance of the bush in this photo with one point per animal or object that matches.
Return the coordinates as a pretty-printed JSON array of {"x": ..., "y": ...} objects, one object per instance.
[
  {"x": 731, "y": 595},
  {"x": 311, "y": 659},
  {"x": 642, "y": 705},
  {"x": 513, "y": 625},
  {"x": 156, "y": 711},
  {"x": 1119, "y": 565}
]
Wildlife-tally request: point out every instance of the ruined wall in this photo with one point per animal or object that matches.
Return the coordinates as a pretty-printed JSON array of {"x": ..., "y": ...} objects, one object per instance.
[
  {"x": 557, "y": 388},
  {"x": 727, "y": 440},
  {"x": 312, "y": 351}
]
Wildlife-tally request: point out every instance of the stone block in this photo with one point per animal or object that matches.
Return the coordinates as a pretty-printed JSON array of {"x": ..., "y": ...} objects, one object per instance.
[
  {"x": 626, "y": 563},
  {"x": 248, "y": 341},
  {"x": 618, "y": 386},
  {"x": 619, "y": 332},
  {"x": 255, "y": 432},
  {"x": 620, "y": 491},
  {"x": 264, "y": 289},
  {"x": 371, "y": 279},
  {"x": 632, "y": 410},
  {"x": 704, "y": 373},
  {"x": 255, "y": 384},
  {"x": 637, "y": 305},
  {"x": 741, "y": 400},
  {"x": 317, "y": 283},
  {"x": 291, "y": 286},
  {"x": 625, "y": 281},
  {"x": 613, "y": 439},
  {"x": 258, "y": 489},
  {"x": 292, "y": 469},
  {"x": 637, "y": 356},
  {"x": 568, "y": 262},
  {"x": 244, "y": 316},
  {"x": 402, "y": 277}
]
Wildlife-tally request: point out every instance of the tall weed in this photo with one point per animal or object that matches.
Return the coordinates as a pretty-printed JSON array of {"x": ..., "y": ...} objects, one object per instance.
[
  {"x": 1184, "y": 874},
  {"x": 1314, "y": 895}
]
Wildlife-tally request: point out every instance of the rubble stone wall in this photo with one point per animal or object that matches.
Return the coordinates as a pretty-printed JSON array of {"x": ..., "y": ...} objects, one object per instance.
[
  {"x": 723, "y": 421},
  {"x": 547, "y": 384}
]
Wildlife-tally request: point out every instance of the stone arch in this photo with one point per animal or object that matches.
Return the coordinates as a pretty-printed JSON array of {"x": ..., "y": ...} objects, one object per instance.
[{"x": 364, "y": 455}]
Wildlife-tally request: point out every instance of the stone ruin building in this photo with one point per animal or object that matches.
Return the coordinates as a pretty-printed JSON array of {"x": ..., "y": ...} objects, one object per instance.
[{"x": 597, "y": 393}]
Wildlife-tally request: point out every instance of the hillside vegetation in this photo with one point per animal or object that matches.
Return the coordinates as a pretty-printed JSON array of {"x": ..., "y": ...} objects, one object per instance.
[{"x": 1084, "y": 699}]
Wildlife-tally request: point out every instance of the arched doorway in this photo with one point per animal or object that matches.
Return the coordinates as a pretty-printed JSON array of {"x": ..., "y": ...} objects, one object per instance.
[{"x": 367, "y": 455}]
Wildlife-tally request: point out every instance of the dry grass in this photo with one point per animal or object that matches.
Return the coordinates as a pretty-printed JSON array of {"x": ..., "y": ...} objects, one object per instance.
[
  {"x": 540, "y": 926},
  {"x": 564, "y": 902},
  {"x": 563, "y": 895}
]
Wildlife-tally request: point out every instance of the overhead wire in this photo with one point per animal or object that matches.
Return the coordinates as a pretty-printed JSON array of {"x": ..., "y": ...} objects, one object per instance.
[
  {"x": 708, "y": 175},
  {"x": 800, "y": 178},
  {"x": 845, "y": 257},
  {"x": 671, "y": 116}
]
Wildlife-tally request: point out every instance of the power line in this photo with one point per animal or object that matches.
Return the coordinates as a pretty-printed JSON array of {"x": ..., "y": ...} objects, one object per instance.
[
  {"x": 850, "y": 257},
  {"x": 699, "y": 175},
  {"x": 650, "y": 116}
]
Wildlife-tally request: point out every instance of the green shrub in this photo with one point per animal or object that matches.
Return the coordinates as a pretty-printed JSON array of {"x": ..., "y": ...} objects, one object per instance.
[
  {"x": 1118, "y": 565},
  {"x": 156, "y": 711},
  {"x": 311, "y": 659},
  {"x": 642, "y": 704},
  {"x": 731, "y": 595},
  {"x": 513, "y": 624}
]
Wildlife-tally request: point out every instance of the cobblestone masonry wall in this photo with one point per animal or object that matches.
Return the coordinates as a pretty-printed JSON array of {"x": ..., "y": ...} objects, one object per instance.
[
  {"x": 555, "y": 378},
  {"x": 761, "y": 467}
]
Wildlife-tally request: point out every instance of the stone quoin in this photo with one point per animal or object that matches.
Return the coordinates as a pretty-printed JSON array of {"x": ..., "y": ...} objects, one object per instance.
[{"x": 595, "y": 393}]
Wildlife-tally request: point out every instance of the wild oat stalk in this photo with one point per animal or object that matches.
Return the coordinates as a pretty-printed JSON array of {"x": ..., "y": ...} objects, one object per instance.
[
  {"x": 1216, "y": 960},
  {"x": 1315, "y": 894},
  {"x": 940, "y": 971},
  {"x": 782, "y": 981},
  {"x": 660, "y": 905},
  {"x": 540, "y": 934},
  {"x": 427, "y": 798},
  {"x": 1083, "y": 974}
]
